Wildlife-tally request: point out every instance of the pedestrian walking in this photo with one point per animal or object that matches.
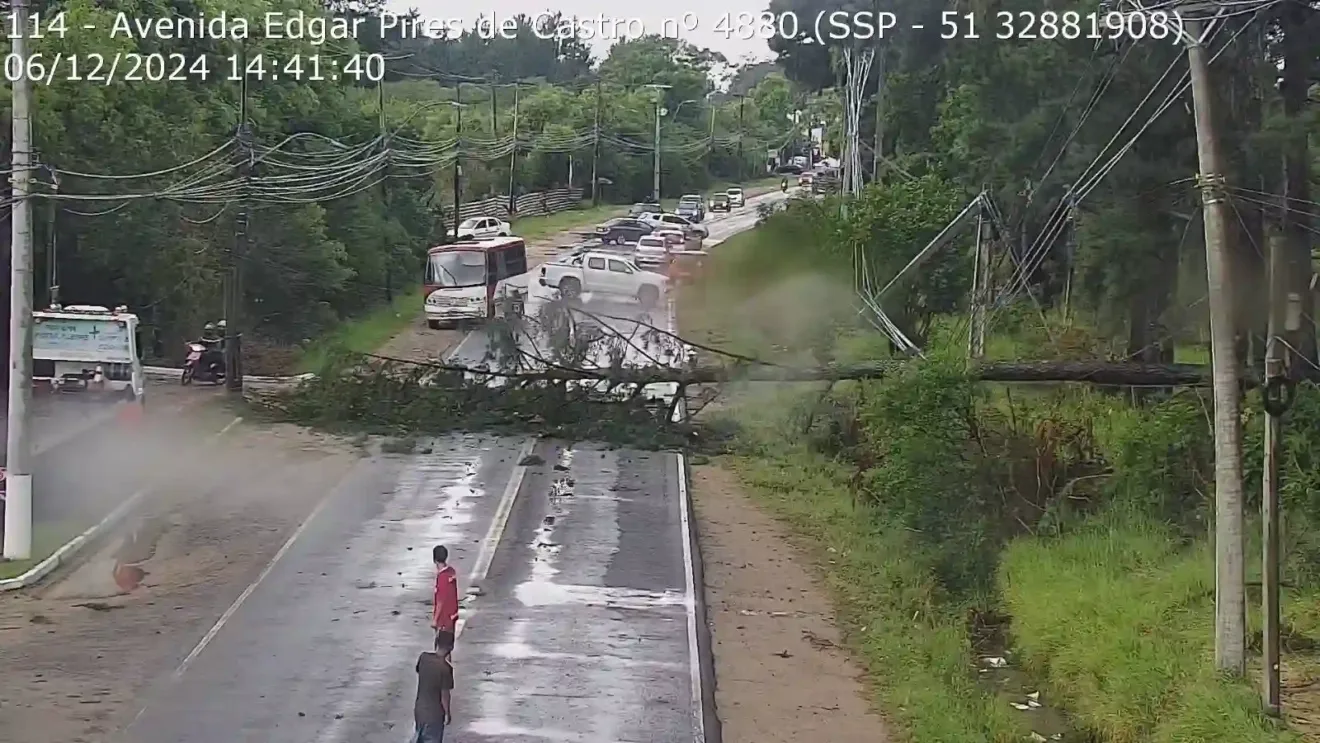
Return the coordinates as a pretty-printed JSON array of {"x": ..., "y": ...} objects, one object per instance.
[
  {"x": 444, "y": 617},
  {"x": 435, "y": 681}
]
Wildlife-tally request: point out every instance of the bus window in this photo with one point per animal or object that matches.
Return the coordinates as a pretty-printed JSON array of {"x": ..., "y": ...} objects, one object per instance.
[{"x": 515, "y": 261}]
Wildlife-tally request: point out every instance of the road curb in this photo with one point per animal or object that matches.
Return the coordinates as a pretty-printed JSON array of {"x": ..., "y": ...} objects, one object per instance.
[
  {"x": 711, "y": 729},
  {"x": 70, "y": 549}
]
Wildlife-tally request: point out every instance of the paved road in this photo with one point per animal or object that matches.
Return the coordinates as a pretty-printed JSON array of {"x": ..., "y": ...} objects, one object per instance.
[
  {"x": 624, "y": 320},
  {"x": 89, "y": 456},
  {"x": 580, "y": 634}
]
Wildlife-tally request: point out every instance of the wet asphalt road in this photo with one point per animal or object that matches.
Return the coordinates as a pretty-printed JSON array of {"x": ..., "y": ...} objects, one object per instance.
[{"x": 581, "y": 637}]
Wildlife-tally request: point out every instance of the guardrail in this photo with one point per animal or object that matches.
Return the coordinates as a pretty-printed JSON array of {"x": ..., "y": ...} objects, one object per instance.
[{"x": 528, "y": 205}]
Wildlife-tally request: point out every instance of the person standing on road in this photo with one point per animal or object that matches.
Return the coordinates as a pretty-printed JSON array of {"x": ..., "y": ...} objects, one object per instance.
[
  {"x": 435, "y": 681},
  {"x": 444, "y": 617}
]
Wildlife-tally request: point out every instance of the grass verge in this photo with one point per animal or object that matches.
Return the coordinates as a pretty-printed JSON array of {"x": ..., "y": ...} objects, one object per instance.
[
  {"x": 1117, "y": 618},
  {"x": 915, "y": 650},
  {"x": 46, "y": 538},
  {"x": 365, "y": 334}
]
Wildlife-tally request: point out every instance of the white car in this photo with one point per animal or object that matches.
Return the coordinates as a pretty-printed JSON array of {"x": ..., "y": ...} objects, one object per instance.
[
  {"x": 652, "y": 252},
  {"x": 663, "y": 220},
  {"x": 601, "y": 272},
  {"x": 478, "y": 228},
  {"x": 736, "y": 198}
]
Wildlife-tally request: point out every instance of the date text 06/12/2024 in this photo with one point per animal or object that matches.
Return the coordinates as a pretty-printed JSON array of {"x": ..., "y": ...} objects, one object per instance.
[{"x": 131, "y": 67}]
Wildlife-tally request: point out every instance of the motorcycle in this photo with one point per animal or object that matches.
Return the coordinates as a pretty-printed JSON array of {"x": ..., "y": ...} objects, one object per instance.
[{"x": 202, "y": 364}]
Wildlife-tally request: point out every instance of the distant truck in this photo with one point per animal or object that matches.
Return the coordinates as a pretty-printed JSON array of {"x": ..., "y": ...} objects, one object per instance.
[{"x": 602, "y": 272}]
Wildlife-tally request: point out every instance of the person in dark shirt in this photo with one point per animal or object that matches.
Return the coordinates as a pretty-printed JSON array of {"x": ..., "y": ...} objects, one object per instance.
[{"x": 435, "y": 680}]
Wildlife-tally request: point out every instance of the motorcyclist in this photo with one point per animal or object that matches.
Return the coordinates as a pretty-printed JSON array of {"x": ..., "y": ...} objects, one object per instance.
[
  {"x": 783, "y": 185},
  {"x": 213, "y": 339}
]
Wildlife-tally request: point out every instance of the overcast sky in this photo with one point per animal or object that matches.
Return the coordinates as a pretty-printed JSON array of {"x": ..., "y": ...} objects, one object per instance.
[{"x": 650, "y": 15}]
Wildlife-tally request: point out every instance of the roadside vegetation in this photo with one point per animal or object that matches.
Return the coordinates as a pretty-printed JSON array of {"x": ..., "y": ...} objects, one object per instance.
[{"x": 1063, "y": 528}]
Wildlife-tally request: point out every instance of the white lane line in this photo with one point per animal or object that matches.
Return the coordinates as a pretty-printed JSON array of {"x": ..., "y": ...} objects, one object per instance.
[
  {"x": 690, "y": 602},
  {"x": 242, "y": 597},
  {"x": 491, "y": 542}
]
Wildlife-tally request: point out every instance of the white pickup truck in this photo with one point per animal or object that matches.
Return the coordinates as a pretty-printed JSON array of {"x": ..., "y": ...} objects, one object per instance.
[{"x": 601, "y": 272}]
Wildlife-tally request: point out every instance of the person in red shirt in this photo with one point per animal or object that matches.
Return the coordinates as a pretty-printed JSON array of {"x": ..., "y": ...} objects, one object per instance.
[{"x": 444, "y": 617}]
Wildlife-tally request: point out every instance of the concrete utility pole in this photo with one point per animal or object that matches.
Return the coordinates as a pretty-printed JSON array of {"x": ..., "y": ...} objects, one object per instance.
[
  {"x": 1072, "y": 254},
  {"x": 1230, "y": 585},
  {"x": 742, "y": 111},
  {"x": 595, "y": 152},
  {"x": 659, "y": 111},
  {"x": 18, "y": 467},
  {"x": 513, "y": 156}
]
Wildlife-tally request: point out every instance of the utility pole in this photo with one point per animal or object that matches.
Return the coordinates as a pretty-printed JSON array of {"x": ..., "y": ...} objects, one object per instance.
[
  {"x": 18, "y": 472},
  {"x": 1072, "y": 254},
  {"x": 710, "y": 140},
  {"x": 877, "y": 152},
  {"x": 513, "y": 156},
  {"x": 458, "y": 157},
  {"x": 659, "y": 111},
  {"x": 494, "y": 114},
  {"x": 1276, "y": 395},
  {"x": 1230, "y": 586},
  {"x": 238, "y": 253},
  {"x": 742, "y": 105},
  {"x": 980, "y": 285},
  {"x": 52, "y": 240},
  {"x": 595, "y": 151},
  {"x": 385, "y": 190},
  {"x": 1298, "y": 52}
]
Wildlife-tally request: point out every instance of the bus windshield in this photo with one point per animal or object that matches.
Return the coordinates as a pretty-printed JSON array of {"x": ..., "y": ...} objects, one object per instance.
[{"x": 456, "y": 269}]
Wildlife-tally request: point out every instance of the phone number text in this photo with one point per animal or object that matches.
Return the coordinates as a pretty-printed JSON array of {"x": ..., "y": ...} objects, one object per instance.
[
  {"x": 128, "y": 67},
  {"x": 840, "y": 25}
]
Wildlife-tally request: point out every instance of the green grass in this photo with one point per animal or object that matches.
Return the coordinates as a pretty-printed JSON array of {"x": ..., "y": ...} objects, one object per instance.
[
  {"x": 46, "y": 538},
  {"x": 365, "y": 334},
  {"x": 1117, "y": 618},
  {"x": 915, "y": 651},
  {"x": 538, "y": 228}
]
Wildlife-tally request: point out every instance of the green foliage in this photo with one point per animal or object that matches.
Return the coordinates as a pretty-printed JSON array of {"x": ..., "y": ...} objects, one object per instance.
[{"x": 1116, "y": 618}]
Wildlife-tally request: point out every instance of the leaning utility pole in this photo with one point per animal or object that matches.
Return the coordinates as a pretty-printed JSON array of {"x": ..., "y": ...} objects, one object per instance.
[
  {"x": 238, "y": 253},
  {"x": 980, "y": 286},
  {"x": 18, "y": 472},
  {"x": 595, "y": 151},
  {"x": 1230, "y": 586},
  {"x": 513, "y": 156},
  {"x": 458, "y": 157}
]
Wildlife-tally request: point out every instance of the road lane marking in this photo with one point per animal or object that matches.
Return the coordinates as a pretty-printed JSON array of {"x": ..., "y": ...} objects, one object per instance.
[
  {"x": 495, "y": 534},
  {"x": 243, "y": 597},
  {"x": 690, "y": 603}
]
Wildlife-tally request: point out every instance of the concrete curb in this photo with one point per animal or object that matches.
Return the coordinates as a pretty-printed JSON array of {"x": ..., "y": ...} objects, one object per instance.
[
  {"x": 711, "y": 729},
  {"x": 73, "y": 547}
]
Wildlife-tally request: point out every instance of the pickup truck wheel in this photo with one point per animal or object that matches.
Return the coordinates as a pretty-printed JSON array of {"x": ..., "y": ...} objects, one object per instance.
[
  {"x": 648, "y": 295},
  {"x": 433, "y": 324},
  {"x": 570, "y": 288}
]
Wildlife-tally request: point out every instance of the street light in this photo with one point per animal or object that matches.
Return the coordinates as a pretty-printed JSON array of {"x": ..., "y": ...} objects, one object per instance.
[{"x": 659, "y": 98}]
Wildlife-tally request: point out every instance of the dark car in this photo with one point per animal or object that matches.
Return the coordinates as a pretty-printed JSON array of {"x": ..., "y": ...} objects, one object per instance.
[
  {"x": 691, "y": 208},
  {"x": 720, "y": 203},
  {"x": 622, "y": 230}
]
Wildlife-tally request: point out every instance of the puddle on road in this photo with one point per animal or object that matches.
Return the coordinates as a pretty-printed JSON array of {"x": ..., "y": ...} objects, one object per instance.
[{"x": 997, "y": 672}]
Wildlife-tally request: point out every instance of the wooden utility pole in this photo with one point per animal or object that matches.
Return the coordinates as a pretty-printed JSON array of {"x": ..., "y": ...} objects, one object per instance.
[
  {"x": 458, "y": 157},
  {"x": 1298, "y": 55},
  {"x": 1276, "y": 397},
  {"x": 1230, "y": 581},
  {"x": 595, "y": 152},
  {"x": 513, "y": 157},
  {"x": 233, "y": 294},
  {"x": 980, "y": 286}
]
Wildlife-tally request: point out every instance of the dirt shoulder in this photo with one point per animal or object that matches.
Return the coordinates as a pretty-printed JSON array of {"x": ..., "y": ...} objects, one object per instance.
[
  {"x": 781, "y": 671},
  {"x": 78, "y": 657}
]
